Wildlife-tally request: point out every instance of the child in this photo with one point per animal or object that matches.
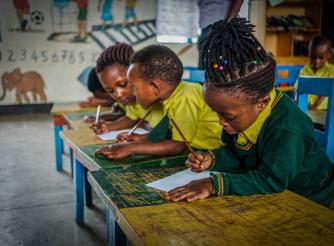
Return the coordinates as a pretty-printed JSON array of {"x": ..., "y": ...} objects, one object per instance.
[
  {"x": 130, "y": 11},
  {"x": 82, "y": 20},
  {"x": 270, "y": 144},
  {"x": 106, "y": 12},
  {"x": 112, "y": 67},
  {"x": 155, "y": 73},
  {"x": 22, "y": 9},
  {"x": 100, "y": 96},
  {"x": 319, "y": 50}
]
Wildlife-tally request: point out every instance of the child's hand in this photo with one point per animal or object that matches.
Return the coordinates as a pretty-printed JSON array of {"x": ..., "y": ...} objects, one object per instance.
[
  {"x": 89, "y": 118},
  {"x": 125, "y": 137},
  {"x": 100, "y": 127},
  {"x": 116, "y": 151},
  {"x": 197, "y": 189},
  {"x": 199, "y": 162}
]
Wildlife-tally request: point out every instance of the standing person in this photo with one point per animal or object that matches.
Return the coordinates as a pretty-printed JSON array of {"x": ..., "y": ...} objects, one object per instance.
[
  {"x": 82, "y": 20},
  {"x": 22, "y": 8},
  {"x": 211, "y": 11},
  {"x": 130, "y": 11},
  {"x": 106, "y": 14}
]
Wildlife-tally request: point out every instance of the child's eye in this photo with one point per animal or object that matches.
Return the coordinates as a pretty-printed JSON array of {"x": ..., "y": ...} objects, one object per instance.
[
  {"x": 122, "y": 84},
  {"x": 110, "y": 91},
  {"x": 227, "y": 118}
]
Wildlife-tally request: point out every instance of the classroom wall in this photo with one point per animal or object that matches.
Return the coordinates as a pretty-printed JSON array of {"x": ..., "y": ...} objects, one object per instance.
[{"x": 47, "y": 51}]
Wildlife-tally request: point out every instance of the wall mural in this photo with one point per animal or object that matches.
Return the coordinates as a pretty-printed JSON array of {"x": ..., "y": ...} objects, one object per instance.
[{"x": 47, "y": 45}]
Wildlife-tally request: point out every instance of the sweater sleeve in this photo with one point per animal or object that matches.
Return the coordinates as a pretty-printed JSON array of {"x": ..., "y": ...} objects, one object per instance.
[{"x": 281, "y": 157}]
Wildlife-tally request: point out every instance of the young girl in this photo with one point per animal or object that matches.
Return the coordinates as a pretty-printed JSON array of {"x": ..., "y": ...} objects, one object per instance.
[
  {"x": 100, "y": 96},
  {"x": 270, "y": 144},
  {"x": 111, "y": 68}
]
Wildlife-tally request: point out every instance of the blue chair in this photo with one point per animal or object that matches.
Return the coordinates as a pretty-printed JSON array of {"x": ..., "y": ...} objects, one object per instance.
[
  {"x": 193, "y": 74},
  {"x": 293, "y": 73},
  {"x": 321, "y": 87}
]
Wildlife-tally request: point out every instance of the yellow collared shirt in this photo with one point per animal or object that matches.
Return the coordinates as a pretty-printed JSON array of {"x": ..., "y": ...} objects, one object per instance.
[
  {"x": 136, "y": 112},
  {"x": 196, "y": 120},
  {"x": 326, "y": 71},
  {"x": 251, "y": 133}
]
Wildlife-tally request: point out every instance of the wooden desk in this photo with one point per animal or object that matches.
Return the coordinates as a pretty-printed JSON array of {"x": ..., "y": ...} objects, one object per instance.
[
  {"x": 84, "y": 144},
  {"x": 147, "y": 219},
  {"x": 76, "y": 120},
  {"x": 318, "y": 117},
  {"x": 58, "y": 110}
]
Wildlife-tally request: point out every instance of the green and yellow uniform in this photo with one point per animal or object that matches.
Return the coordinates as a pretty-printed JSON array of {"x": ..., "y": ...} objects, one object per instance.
[
  {"x": 137, "y": 112},
  {"x": 277, "y": 152},
  {"x": 326, "y": 71},
  {"x": 198, "y": 123}
]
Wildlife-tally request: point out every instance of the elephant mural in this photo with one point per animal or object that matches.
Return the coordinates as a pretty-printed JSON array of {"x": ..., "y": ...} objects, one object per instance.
[{"x": 23, "y": 83}]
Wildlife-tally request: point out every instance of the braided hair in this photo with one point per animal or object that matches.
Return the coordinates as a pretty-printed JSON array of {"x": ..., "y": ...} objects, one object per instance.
[
  {"x": 118, "y": 54},
  {"x": 234, "y": 59}
]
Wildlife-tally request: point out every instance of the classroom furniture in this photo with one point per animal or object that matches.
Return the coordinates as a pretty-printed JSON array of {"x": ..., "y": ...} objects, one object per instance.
[
  {"x": 193, "y": 74},
  {"x": 287, "y": 74},
  {"x": 84, "y": 144},
  {"x": 141, "y": 215},
  {"x": 291, "y": 60},
  {"x": 322, "y": 87},
  {"x": 283, "y": 42},
  {"x": 57, "y": 111}
]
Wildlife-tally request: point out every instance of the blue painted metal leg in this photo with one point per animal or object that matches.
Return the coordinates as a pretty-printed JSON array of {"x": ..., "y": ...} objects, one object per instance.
[
  {"x": 59, "y": 147},
  {"x": 88, "y": 191},
  {"x": 72, "y": 160},
  {"x": 115, "y": 235},
  {"x": 78, "y": 180}
]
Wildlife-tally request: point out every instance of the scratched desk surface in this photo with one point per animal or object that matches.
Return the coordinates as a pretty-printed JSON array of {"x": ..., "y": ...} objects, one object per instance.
[
  {"x": 147, "y": 219},
  {"x": 86, "y": 154},
  {"x": 85, "y": 143}
]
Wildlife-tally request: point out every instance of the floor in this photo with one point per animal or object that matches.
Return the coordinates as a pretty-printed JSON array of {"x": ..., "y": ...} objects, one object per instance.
[{"x": 36, "y": 201}]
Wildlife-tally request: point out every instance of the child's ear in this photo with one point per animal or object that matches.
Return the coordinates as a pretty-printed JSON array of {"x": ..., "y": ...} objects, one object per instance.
[
  {"x": 263, "y": 102},
  {"x": 156, "y": 85}
]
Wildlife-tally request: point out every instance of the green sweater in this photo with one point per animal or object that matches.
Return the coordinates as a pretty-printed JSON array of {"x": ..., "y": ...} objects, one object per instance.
[{"x": 286, "y": 156}]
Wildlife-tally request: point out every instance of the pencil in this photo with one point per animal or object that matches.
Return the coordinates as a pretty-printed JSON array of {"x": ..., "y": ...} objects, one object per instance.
[
  {"x": 181, "y": 134},
  {"x": 139, "y": 123},
  {"x": 184, "y": 138},
  {"x": 97, "y": 114}
]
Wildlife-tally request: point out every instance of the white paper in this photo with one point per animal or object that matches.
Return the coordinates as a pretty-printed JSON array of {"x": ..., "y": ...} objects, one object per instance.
[
  {"x": 113, "y": 134},
  {"x": 178, "y": 179}
]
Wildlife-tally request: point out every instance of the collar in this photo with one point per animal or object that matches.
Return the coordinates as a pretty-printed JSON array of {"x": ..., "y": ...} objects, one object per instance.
[
  {"x": 252, "y": 132},
  {"x": 170, "y": 99},
  {"x": 320, "y": 72}
]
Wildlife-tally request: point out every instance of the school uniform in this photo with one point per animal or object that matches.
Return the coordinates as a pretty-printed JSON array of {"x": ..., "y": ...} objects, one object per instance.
[
  {"x": 137, "y": 112},
  {"x": 277, "y": 152},
  {"x": 196, "y": 120},
  {"x": 326, "y": 71}
]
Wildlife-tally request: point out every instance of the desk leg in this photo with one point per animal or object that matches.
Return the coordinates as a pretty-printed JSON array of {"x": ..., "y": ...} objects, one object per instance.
[
  {"x": 72, "y": 160},
  {"x": 78, "y": 180},
  {"x": 115, "y": 235},
  {"x": 59, "y": 147},
  {"x": 88, "y": 191}
]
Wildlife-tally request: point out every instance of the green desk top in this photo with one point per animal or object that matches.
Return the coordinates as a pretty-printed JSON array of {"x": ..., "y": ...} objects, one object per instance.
[
  {"x": 87, "y": 154},
  {"x": 148, "y": 219},
  {"x": 124, "y": 188}
]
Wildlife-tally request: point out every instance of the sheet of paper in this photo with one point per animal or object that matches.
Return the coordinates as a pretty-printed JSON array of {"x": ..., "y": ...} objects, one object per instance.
[
  {"x": 178, "y": 179},
  {"x": 113, "y": 134}
]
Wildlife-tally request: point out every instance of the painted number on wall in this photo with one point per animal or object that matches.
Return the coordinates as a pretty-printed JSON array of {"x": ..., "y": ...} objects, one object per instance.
[{"x": 45, "y": 56}]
